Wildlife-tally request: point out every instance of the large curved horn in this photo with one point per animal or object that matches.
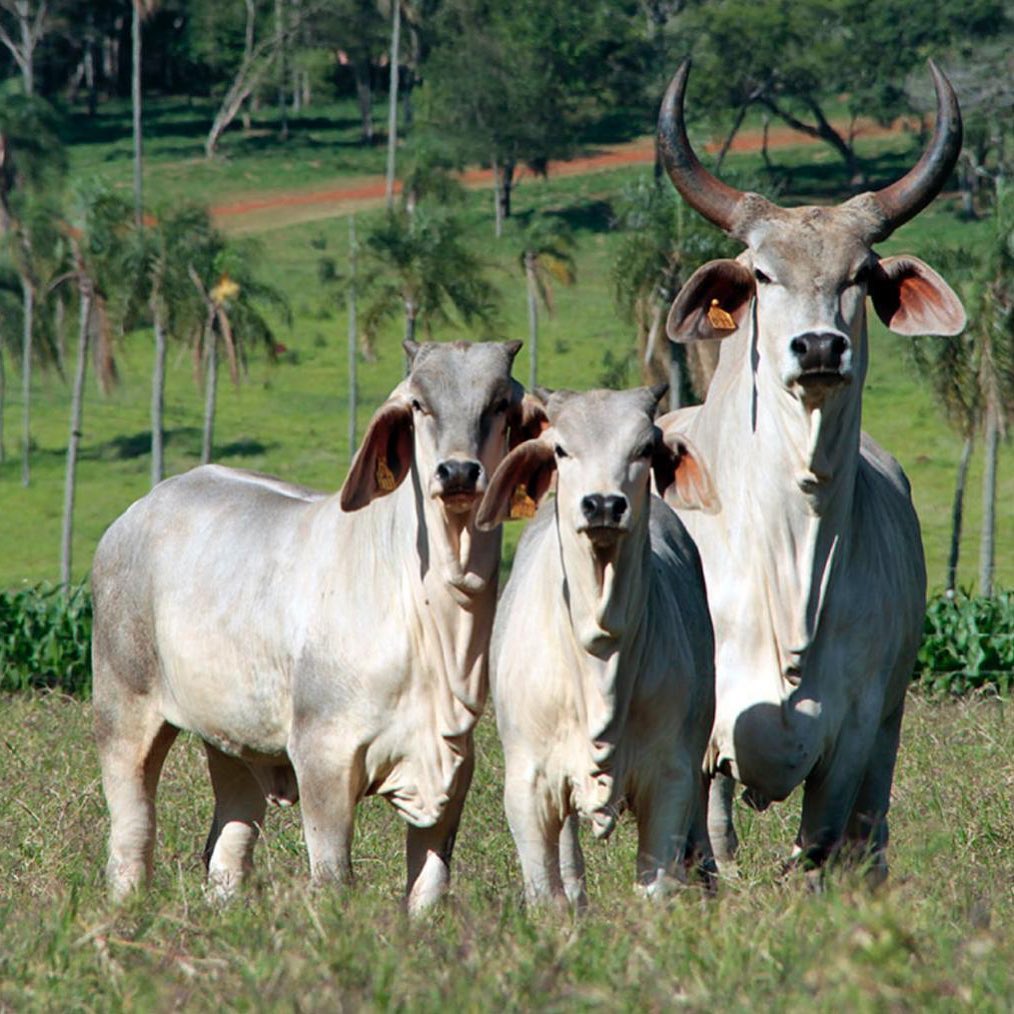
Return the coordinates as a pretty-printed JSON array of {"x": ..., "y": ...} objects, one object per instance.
[
  {"x": 706, "y": 194},
  {"x": 908, "y": 196}
]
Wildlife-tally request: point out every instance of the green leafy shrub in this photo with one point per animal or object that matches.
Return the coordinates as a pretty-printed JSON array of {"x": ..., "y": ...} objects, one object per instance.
[
  {"x": 968, "y": 644},
  {"x": 45, "y": 639}
]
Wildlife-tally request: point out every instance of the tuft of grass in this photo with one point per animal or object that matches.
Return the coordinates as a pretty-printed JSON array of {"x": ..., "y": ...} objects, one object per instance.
[{"x": 939, "y": 936}]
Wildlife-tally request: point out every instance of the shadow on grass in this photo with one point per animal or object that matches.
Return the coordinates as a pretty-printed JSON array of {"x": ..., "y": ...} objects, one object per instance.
[
  {"x": 587, "y": 216},
  {"x": 138, "y": 445}
]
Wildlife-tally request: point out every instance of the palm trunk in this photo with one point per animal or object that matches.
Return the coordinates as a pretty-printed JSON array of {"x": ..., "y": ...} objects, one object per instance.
[
  {"x": 410, "y": 312},
  {"x": 135, "y": 93},
  {"x": 392, "y": 98},
  {"x": 957, "y": 514},
  {"x": 992, "y": 451},
  {"x": 76, "y": 414},
  {"x": 158, "y": 400},
  {"x": 28, "y": 312},
  {"x": 364, "y": 96},
  {"x": 353, "y": 340},
  {"x": 210, "y": 394},
  {"x": 533, "y": 322}
]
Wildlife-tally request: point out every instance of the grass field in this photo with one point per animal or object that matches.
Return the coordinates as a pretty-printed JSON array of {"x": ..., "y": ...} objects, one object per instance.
[
  {"x": 940, "y": 936},
  {"x": 289, "y": 418}
]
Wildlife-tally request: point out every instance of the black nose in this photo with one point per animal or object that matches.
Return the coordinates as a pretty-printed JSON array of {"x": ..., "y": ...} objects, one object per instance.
[
  {"x": 603, "y": 510},
  {"x": 458, "y": 475},
  {"x": 819, "y": 351}
]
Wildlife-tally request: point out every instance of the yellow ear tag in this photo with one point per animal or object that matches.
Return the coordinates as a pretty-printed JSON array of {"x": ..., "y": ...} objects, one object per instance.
[
  {"x": 522, "y": 505},
  {"x": 384, "y": 477},
  {"x": 718, "y": 318}
]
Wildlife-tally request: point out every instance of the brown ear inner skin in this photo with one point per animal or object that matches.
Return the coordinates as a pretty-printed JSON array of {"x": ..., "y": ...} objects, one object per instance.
[
  {"x": 389, "y": 439},
  {"x": 912, "y": 299},
  {"x": 727, "y": 282}
]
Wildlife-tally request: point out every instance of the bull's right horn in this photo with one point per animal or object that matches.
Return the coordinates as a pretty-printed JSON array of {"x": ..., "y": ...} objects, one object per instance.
[{"x": 706, "y": 194}]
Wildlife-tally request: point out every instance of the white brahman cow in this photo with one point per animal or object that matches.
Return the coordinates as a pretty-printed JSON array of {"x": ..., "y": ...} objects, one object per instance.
[
  {"x": 602, "y": 667},
  {"x": 323, "y": 647},
  {"x": 814, "y": 564}
]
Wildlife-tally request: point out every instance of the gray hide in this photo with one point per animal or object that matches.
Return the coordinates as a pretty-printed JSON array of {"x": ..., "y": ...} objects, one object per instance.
[
  {"x": 814, "y": 564},
  {"x": 323, "y": 647},
  {"x": 602, "y": 661}
]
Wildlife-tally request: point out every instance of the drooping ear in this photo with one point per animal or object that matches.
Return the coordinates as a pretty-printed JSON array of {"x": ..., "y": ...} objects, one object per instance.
[
  {"x": 523, "y": 476},
  {"x": 712, "y": 304},
  {"x": 681, "y": 477},
  {"x": 912, "y": 299},
  {"x": 383, "y": 458},
  {"x": 527, "y": 418}
]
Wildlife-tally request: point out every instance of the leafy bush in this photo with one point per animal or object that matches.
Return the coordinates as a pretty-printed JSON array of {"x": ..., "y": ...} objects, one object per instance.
[
  {"x": 968, "y": 644},
  {"x": 45, "y": 639}
]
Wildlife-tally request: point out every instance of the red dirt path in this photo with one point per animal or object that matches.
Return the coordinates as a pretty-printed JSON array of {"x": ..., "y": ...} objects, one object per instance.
[{"x": 641, "y": 151}]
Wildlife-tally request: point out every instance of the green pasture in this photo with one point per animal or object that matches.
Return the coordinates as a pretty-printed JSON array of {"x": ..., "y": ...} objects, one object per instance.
[
  {"x": 289, "y": 417},
  {"x": 938, "y": 937}
]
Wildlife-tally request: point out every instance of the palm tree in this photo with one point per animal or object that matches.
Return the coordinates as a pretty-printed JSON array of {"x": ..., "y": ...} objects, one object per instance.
[
  {"x": 545, "y": 257},
  {"x": 97, "y": 251},
  {"x": 660, "y": 249},
  {"x": 420, "y": 264},
  {"x": 10, "y": 313},
  {"x": 232, "y": 296},
  {"x": 392, "y": 99}
]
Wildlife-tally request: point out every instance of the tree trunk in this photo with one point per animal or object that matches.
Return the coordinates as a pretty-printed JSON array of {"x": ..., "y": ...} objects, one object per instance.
[
  {"x": 410, "y": 313},
  {"x": 364, "y": 96},
  {"x": 506, "y": 186},
  {"x": 210, "y": 393},
  {"x": 533, "y": 320},
  {"x": 283, "y": 69},
  {"x": 497, "y": 202},
  {"x": 957, "y": 514},
  {"x": 824, "y": 132},
  {"x": 353, "y": 340},
  {"x": 135, "y": 95},
  {"x": 76, "y": 414},
  {"x": 392, "y": 100},
  {"x": 28, "y": 312},
  {"x": 3, "y": 403},
  {"x": 992, "y": 451},
  {"x": 727, "y": 143},
  {"x": 158, "y": 399}
]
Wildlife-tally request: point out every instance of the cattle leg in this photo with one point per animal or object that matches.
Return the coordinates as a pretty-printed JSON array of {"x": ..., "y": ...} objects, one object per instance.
[
  {"x": 663, "y": 824},
  {"x": 428, "y": 850},
  {"x": 239, "y": 813},
  {"x": 330, "y": 784},
  {"x": 131, "y": 757},
  {"x": 572, "y": 864},
  {"x": 721, "y": 829},
  {"x": 867, "y": 828},
  {"x": 535, "y": 825}
]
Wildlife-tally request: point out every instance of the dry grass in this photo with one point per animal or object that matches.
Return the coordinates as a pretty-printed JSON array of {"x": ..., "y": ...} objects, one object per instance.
[{"x": 938, "y": 937}]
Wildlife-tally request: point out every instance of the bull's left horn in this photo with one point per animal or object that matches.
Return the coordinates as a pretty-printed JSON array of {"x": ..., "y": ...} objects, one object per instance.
[
  {"x": 706, "y": 194},
  {"x": 905, "y": 198}
]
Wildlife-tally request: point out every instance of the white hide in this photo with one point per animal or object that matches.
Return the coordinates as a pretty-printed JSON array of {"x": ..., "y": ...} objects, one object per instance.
[
  {"x": 602, "y": 658},
  {"x": 341, "y": 651}
]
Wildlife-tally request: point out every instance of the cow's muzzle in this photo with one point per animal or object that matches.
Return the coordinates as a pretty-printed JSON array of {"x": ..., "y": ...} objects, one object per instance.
[
  {"x": 823, "y": 357},
  {"x": 605, "y": 517},
  {"x": 456, "y": 482}
]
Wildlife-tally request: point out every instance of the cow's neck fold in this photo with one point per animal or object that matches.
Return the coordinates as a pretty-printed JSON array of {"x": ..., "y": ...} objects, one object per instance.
[{"x": 606, "y": 598}]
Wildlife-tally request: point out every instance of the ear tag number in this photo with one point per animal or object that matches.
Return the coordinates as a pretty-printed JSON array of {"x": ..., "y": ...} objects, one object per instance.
[
  {"x": 522, "y": 505},
  {"x": 384, "y": 476},
  {"x": 719, "y": 318}
]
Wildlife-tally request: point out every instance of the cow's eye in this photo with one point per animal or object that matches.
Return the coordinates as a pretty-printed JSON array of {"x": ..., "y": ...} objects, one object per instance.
[
  {"x": 560, "y": 452},
  {"x": 762, "y": 278},
  {"x": 417, "y": 406},
  {"x": 645, "y": 451},
  {"x": 501, "y": 406},
  {"x": 862, "y": 276}
]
